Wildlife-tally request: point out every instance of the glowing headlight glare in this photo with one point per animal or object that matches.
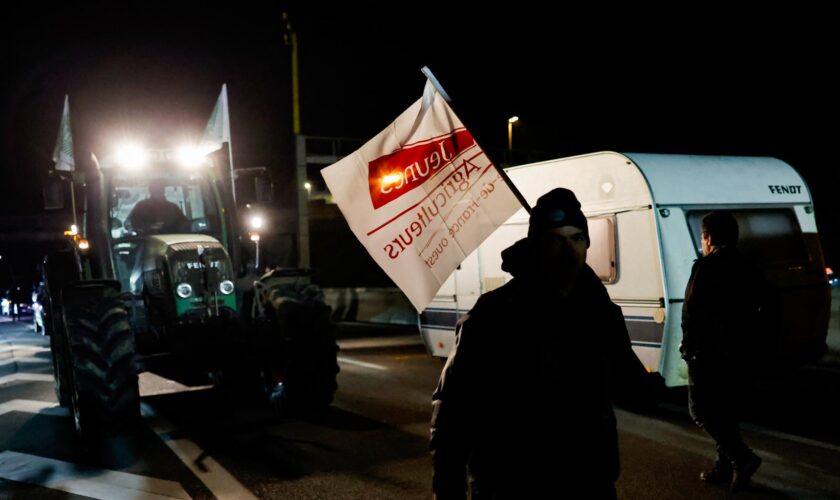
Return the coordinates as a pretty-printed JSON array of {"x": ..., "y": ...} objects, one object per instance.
[
  {"x": 190, "y": 156},
  {"x": 184, "y": 290},
  {"x": 131, "y": 156},
  {"x": 226, "y": 287},
  {"x": 256, "y": 222}
]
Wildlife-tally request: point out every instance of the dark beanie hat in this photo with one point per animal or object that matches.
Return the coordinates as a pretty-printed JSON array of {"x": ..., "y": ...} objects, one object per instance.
[{"x": 558, "y": 207}]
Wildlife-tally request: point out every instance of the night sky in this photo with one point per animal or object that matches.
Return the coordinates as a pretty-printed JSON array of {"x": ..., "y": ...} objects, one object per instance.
[{"x": 698, "y": 82}]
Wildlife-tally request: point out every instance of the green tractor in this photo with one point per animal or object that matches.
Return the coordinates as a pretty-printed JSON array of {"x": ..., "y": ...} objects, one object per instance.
[{"x": 153, "y": 280}]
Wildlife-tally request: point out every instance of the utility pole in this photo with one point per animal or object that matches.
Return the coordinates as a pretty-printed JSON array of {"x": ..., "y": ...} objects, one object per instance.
[{"x": 290, "y": 39}]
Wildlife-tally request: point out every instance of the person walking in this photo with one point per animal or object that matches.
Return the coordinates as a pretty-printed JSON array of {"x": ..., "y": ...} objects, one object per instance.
[{"x": 722, "y": 307}]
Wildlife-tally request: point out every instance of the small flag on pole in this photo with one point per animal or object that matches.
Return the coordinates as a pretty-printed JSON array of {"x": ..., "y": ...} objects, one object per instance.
[
  {"x": 63, "y": 152},
  {"x": 217, "y": 131},
  {"x": 421, "y": 196}
]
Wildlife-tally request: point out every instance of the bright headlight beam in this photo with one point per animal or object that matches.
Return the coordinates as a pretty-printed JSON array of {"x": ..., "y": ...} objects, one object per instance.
[
  {"x": 190, "y": 156},
  {"x": 132, "y": 156}
]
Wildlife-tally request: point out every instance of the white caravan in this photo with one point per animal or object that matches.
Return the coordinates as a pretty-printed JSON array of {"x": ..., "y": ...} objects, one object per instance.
[{"x": 644, "y": 213}]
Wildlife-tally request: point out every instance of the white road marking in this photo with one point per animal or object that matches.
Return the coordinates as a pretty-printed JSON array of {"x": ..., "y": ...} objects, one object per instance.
[
  {"x": 24, "y": 361},
  {"x": 28, "y": 377},
  {"x": 219, "y": 481},
  {"x": 87, "y": 481},
  {"x": 29, "y": 406},
  {"x": 12, "y": 348},
  {"x": 790, "y": 437},
  {"x": 151, "y": 384},
  {"x": 350, "y": 361},
  {"x": 769, "y": 432},
  {"x": 374, "y": 342}
]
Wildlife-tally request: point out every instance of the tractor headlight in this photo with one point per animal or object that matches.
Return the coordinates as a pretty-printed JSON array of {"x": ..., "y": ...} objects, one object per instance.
[
  {"x": 191, "y": 157},
  {"x": 184, "y": 290},
  {"x": 131, "y": 156},
  {"x": 226, "y": 287}
]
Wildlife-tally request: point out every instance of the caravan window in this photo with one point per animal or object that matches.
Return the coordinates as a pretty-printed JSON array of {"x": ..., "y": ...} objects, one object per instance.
[
  {"x": 601, "y": 253},
  {"x": 770, "y": 236}
]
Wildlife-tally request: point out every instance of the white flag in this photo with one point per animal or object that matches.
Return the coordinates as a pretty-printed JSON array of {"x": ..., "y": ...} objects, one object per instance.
[
  {"x": 421, "y": 196},
  {"x": 63, "y": 152},
  {"x": 217, "y": 131}
]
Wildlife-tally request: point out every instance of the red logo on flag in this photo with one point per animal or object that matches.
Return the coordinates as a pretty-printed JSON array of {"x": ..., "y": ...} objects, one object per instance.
[{"x": 397, "y": 173}]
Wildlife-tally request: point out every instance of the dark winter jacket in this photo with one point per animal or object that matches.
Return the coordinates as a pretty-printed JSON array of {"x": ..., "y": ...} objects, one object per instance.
[
  {"x": 157, "y": 216},
  {"x": 525, "y": 401},
  {"x": 721, "y": 309}
]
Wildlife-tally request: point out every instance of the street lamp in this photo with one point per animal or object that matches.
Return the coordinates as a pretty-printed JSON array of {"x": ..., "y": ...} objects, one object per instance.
[
  {"x": 511, "y": 121},
  {"x": 256, "y": 222},
  {"x": 255, "y": 237}
]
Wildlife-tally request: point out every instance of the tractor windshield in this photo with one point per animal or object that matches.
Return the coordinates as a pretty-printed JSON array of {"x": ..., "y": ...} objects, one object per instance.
[{"x": 162, "y": 203}]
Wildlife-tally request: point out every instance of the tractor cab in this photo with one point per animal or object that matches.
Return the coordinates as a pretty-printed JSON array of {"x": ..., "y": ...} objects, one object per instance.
[
  {"x": 168, "y": 234},
  {"x": 186, "y": 205}
]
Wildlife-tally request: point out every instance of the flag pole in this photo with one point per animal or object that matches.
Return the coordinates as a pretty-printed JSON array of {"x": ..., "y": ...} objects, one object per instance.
[
  {"x": 232, "y": 175},
  {"x": 428, "y": 73},
  {"x": 73, "y": 201},
  {"x": 226, "y": 125}
]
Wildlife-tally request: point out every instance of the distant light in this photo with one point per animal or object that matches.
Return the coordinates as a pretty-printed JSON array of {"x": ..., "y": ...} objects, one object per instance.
[
  {"x": 132, "y": 156},
  {"x": 513, "y": 119},
  {"x": 307, "y": 186},
  {"x": 256, "y": 222},
  {"x": 73, "y": 231},
  {"x": 255, "y": 237},
  {"x": 84, "y": 245}
]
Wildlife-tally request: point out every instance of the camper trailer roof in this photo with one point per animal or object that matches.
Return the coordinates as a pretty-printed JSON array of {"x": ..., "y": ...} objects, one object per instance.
[
  {"x": 604, "y": 182},
  {"x": 710, "y": 180}
]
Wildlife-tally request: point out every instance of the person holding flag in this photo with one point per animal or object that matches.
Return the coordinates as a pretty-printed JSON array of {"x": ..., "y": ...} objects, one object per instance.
[
  {"x": 421, "y": 196},
  {"x": 531, "y": 421}
]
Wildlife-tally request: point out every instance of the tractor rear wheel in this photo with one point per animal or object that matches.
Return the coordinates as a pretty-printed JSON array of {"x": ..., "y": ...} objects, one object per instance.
[{"x": 302, "y": 364}]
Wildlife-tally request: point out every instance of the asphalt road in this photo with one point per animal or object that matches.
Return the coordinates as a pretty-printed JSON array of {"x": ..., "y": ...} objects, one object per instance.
[{"x": 372, "y": 443}]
